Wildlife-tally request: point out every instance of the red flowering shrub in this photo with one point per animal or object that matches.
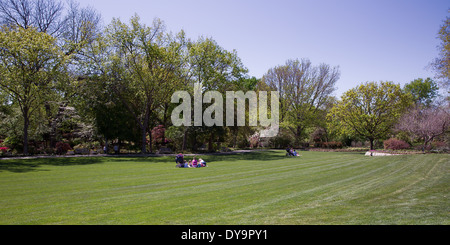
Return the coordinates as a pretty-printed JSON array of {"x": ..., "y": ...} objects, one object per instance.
[
  {"x": 62, "y": 148},
  {"x": 4, "y": 149},
  {"x": 395, "y": 144},
  {"x": 158, "y": 134}
]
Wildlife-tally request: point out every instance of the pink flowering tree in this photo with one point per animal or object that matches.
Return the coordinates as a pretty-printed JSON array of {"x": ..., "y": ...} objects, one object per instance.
[
  {"x": 425, "y": 123},
  {"x": 254, "y": 140}
]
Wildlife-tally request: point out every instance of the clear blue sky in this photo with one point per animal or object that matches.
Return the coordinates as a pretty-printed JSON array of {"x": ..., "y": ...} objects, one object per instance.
[{"x": 370, "y": 40}]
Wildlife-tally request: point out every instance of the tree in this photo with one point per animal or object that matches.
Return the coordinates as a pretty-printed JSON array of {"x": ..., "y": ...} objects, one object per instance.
[
  {"x": 213, "y": 66},
  {"x": 140, "y": 65},
  {"x": 425, "y": 123},
  {"x": 78, "y": 26},
  {"x": 442, "y": 64},
  {"x": 113, "y": 121},
  {"x": 29, "y": 63},
  {"x": 243, "y": 84},
  {"x": 216, "y": 69},
  {"x": 44, "y": 15},
  {"x": 72, "y": 29},
  {"x": 371, "y": 109},
  {"x": 106, "y": 111},
  {"x": 304, "y": 90},
  {"x": 423, "y": 92}
]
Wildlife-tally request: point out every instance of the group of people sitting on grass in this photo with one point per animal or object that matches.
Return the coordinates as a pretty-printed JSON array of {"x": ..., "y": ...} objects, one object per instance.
[
  {"x": 194, "y": 163},
  {"x": 292, "y": 152}
]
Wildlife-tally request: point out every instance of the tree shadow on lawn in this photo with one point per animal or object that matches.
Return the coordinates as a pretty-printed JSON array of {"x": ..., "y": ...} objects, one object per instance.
[
  {"x": 28, "y": 165},
  {"x": 266, "y": 155}
]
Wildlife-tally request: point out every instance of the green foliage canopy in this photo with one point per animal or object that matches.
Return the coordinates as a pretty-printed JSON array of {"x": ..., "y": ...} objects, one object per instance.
[
  {"x": 30, "y": 61},
  {"x": 422, "y": 91},
  {"x": 371, "y": 109}
]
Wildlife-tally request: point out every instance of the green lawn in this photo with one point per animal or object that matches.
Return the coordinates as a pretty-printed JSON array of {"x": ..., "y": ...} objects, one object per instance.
[{"x": 253, "y": 188}]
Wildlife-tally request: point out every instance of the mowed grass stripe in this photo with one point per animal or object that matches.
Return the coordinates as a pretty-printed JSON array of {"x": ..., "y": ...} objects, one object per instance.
[
  {"x": 186, "y": 190},
  {"x": 327, "y": 187},
  {"x": 140, "y": 193},
  {"x": 256, "y": 188}
]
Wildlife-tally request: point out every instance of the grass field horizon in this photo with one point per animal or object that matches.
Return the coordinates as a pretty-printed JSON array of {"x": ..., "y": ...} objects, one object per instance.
[{"x": 258, "y": 188}]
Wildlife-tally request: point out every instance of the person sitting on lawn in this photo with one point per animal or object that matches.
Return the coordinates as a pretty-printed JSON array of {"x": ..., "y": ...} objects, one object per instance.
[
  {"x": 202, "y": 162},
  {"x": 179, "y": 158},
  {"x": 194, "y": 162},
  {"x": 290, "y": 152}
]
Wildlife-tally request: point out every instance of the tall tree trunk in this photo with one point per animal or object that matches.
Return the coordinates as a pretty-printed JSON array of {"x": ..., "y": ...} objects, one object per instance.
[
  {"x": 298, "y": 134},
  {"x": 144, "y": 128},
  {"x": 48, "y": 136},
  {"x": 210, "y": 143},
  {"x": 183, "y": 147},
  {"x": 235, "y": 135},
  {"x": 144, "y": 139},
  {"x": 26, "y": 123},
  {"x": 194, "y": 141},
  {"x": 150, "y": 143},
  {"x": 106, "y": 145},
  {"x": 426, "y": 140},
  {"x": 165, "y": 118}
]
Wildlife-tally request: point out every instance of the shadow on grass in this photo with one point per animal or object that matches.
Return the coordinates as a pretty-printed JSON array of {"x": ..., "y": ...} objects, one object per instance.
[
  {"x": 269, "y": 155},
  {"x": 28, "y": 165}
]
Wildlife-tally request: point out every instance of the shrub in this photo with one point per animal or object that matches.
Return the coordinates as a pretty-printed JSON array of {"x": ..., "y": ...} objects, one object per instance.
[
  {"x": 82, "y": 148},
  {"x": 49, "y": 151},
  {"x": 329, "y": 145},
  {"x": 395, "y": 144},
  {"x": 3, "y": 150},
  {"x": 254, "y": 141},
  {"x": 439, "y": 146},
  {"x": 62, "y": 148},
  {"x": 158, "y": 134},
  {"x": 333, "y": 145},
  {"x": 280, "y": 141}
]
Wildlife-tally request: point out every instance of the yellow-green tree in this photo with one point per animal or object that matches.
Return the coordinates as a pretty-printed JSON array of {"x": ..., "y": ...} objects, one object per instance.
[
  {"x": 30, "y": 61},
  {"x": 217, "y": 69},
  {"x": 141, "y": 66},
  {"x": 371, "y": 109}
]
